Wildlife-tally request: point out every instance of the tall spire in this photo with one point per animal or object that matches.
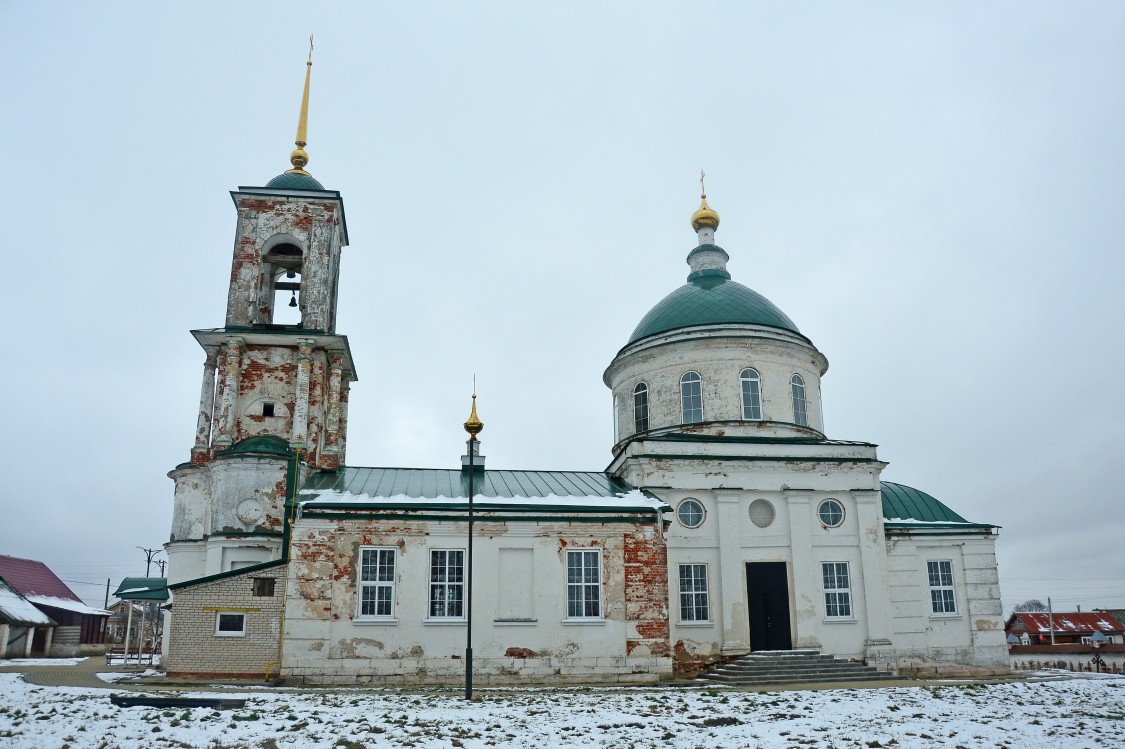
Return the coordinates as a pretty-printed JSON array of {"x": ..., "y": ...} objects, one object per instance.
[{"x": 300, "y": 158}]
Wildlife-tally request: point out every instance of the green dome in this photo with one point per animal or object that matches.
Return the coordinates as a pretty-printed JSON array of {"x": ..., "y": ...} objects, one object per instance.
[
  {"x": 711, "y": 298},
  {"x": 290, "y": 181}
]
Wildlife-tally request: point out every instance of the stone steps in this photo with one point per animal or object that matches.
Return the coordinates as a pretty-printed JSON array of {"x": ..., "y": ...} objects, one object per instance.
[{"x": 790, "y": 667}]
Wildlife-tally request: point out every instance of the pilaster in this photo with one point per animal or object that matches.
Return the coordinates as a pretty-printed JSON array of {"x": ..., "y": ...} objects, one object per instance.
[
  {"x": 736, "y": 621},
  {"x": 806, "y": 601},
  {"x": 232, "y": 373},
  {"x": 876, "y": 574},
  {"x": 206, "y": 406},
  {"x": 299, "y": 435},
  {"x": 332, "y": 428}
]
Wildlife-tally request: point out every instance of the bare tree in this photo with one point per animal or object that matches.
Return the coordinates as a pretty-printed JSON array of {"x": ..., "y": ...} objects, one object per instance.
[{"x": 1033, "y": 604}]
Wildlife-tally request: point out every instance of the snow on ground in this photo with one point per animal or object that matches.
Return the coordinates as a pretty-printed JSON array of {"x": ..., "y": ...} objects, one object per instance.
[
  {"x": 113, "y": 676},
  {"x": 1074, "y": 713},
  {"x": 14, "y": 662}
]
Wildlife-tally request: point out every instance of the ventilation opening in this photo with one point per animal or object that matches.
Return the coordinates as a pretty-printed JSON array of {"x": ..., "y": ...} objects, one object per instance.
[{"x": 267, "y": 409}]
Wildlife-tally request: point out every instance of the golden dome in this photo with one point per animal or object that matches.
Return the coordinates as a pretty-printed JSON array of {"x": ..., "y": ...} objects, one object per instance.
[{"x": 704, "y": 216}]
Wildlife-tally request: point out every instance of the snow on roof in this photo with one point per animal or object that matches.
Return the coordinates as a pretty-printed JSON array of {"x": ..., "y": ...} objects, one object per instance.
[
  {"x": 30, "y": 577},
  {"x": 634, "y": 499},
  {"x": 1069, "y": 622},
  {"x": 17, "y": 610},
  {"x": 916, "y": 521},
  {"x": 67, "y": 605}
]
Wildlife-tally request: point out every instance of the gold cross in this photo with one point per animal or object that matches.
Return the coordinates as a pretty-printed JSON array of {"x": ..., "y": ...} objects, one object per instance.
[{"x": 702, "y": 188}]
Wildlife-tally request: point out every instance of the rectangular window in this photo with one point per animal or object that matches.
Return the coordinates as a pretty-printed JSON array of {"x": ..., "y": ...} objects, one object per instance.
[
  {"x": 230, "y": 624},
  {"x": 584, "y": 584},
  {"x": 837, "y": 590},
  {"x": 693, "y": 593},
  {"x": 267, "y": 409},
  {"x": 447, "y": 583},
  {"x": 377, "y": 583},
  {"x": 263, "y": 587},
  {"x": 940, "y": 574}
]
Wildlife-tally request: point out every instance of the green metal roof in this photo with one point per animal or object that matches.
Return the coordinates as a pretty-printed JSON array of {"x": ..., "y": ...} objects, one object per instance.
[
  {"x": 711, "y": 298},
  {"x": 431, "y": 483},
  {"x": 288, "y": 181},
  {"x": 905, "y": 507},
  {"x": 142, "y": 589},
  {"x": 263, "y": 443}
]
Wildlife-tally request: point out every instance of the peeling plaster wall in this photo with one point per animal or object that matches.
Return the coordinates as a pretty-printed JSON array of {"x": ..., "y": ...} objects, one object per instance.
[
  {"x": 719, "y": 363},
  {"x": 326, "y": 642},
  {"x": 312, "y": 225},
  {"x": 974, "y": 636}
]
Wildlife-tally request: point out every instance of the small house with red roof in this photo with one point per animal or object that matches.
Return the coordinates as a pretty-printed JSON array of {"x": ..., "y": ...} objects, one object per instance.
[
  {"x": 67, "y": 625},
  {"x": 1035, "y": 627}
]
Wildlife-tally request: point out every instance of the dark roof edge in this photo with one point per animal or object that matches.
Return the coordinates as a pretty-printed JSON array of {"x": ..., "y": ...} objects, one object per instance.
[{"x": 230, "y": 573}]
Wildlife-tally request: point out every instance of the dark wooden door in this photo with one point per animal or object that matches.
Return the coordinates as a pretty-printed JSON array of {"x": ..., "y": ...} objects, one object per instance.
[{"x": 767, "y": 598}]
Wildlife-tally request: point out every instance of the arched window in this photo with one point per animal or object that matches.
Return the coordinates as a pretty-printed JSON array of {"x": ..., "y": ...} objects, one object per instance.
[
  {"x": 800, "y": 416},
  {"x": 751, "y": 394},
  {"x": 640, "y": 407},
  {"x": 691, "y": 398}
]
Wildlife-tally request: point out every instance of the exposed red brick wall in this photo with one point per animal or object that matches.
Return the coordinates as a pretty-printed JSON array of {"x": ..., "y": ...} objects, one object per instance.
[{"x": 646, "y": 590}]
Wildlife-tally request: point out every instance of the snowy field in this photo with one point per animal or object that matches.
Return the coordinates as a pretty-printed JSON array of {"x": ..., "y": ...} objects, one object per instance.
[{"x": 1071, "y": 713}]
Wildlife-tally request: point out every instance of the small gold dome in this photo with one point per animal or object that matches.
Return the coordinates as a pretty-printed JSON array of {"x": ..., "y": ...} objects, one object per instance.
[
  {"x": 299, "y": 159},
  {"x": 474, "y": 426},
  {"x": 704, "y": 216}
]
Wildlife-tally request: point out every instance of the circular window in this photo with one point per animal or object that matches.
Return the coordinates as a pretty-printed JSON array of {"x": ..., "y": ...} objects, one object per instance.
[
  {"x": 690, "y": 513},
  {"x": 830, "y": 512},
  {"x": 761, "y": 513}
]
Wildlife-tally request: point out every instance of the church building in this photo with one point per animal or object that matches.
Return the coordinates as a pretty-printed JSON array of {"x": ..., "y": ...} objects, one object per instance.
[{"x": 726, "y": 523}]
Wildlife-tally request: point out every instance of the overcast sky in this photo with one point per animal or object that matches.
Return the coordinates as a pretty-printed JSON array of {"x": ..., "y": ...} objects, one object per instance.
[{"x": 932, "y": 192}]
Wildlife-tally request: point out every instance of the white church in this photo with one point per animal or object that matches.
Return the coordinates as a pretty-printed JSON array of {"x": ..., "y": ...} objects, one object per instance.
[{"x": 726, "y": 523}]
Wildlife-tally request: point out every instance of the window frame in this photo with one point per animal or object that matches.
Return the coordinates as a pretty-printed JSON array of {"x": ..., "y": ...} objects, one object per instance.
[
  {"x": 747, "y": 377},
  {"x": 690, "y": 600},
  {"x": 685, "y": 397},
  {"x": 942, "y": 587},
  {"x": 702, "y": 512},
  {"x": 446, "y": 586},
  {"x": 837, "y": 596},
  {"x": 640, "y": 422},
  {"x": 584, "y": 585},
  {"x": 800, "y": 401},
  {"x": 377, "y": 584},
  {"x": 230, "y": 633},
  {"x": 820, "y": 508}
]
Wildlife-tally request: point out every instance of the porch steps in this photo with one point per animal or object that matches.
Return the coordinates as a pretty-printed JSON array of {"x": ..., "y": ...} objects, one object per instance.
[{"x": 766, "y": 667}]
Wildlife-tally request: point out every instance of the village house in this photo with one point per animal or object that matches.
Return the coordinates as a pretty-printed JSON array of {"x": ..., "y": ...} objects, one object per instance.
[
  {"x": 65, "y": 625},
  {"x": 727, "y": 521}
]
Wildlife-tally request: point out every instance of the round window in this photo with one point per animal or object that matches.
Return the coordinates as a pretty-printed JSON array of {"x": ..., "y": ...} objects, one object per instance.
[
  {"x": 761, "y": 513},
  {"x": 690, "y": 513},
  {"x": 831, "y": 513}
]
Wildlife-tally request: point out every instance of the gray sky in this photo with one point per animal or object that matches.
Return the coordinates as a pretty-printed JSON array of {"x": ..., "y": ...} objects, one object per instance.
[{"x": 932, "y": 192}]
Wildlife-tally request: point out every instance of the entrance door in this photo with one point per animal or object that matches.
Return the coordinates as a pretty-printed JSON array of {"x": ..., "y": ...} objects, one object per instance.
[{"x": 767, "y": 598}]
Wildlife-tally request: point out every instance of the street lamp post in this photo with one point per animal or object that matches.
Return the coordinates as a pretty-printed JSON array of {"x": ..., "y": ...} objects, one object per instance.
[{"x": 473, "y": 426}]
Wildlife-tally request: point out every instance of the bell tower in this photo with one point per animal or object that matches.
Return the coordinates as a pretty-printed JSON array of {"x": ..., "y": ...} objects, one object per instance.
[{"x": 276, "y": 376}]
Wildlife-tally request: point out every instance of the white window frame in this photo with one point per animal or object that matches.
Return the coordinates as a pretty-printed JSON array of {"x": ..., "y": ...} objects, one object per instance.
[
  {"x": 376, "y": 584},
  {"x": 945, "y": 587},
  {"x": 640, "y": 392},
  {"x": 230, "y": 633},
  {"x": 820, "y": 509},
  {"x": 838, "y": 604},
  {"x": 444, "y": 586},
  {"x": 750, "y": 377},
  {"x": 688, "y": 379},
  {"x": 584, "y": 586},
  {"x": 695, "y": 598},
  {"x": 800, "y": 401},
  {"x": 680, "y": 508}
]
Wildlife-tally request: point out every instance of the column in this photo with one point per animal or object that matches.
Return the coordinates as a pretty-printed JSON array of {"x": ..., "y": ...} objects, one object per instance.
[
  {"x": 806, "y": 597},
  {"x": 331, "y": 451},
  {"x": 228, "y": 409},
  {"x": 206, "y": 404},
  {"x": 876, "y": 575},
  {"x": 47, "y": 642},
  {"x": 736, "y": 620},
  {"x": 4, "y": 633},
  {"x": 300, "y": 432},
  {"x": 30, "y": 641},
  {"x": 342, "y": 438}
]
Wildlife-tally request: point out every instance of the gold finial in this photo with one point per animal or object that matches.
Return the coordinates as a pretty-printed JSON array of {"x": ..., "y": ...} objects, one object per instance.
[
  {"x": 704, "y": 216},
  {"x": 474, "y": 425},
  {"x": 300, "y": 158}
]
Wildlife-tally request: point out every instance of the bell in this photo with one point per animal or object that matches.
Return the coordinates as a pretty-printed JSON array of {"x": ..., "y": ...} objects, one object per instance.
[
  {"x": 290, "y": 273},
  {"x": 293, "y": 300}
]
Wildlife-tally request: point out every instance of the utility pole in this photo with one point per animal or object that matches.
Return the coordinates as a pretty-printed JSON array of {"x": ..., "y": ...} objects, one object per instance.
[
  {"x": 149, "y": 554},
  {"x": 106, "y": 593},
  {"x": 161, "y": 563}
]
